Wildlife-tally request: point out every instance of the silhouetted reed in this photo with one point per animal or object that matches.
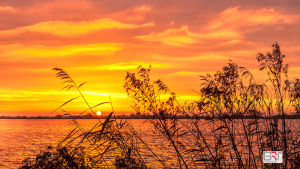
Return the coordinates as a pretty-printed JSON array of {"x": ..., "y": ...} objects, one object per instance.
[
  {"x": 106, "y": 144},
  {"x": 220, "y": 142},
  {"x": 230, "y": 143}
]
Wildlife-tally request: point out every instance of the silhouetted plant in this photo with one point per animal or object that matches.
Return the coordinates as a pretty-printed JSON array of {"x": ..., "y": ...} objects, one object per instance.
[
  {"x": 58, "y": 158},
  {"x": 125, "y": 161},
  {"x": 101, "y": 143},
  {"x": 147, "y": 96},
  {"x": 229, "y": 93}
]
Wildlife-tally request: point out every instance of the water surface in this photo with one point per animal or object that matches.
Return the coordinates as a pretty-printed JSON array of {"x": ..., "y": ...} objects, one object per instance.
[{"x": 21, "y": 138}]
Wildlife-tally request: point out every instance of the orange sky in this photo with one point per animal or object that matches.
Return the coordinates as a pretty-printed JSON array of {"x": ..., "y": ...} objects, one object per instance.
[{"x": 98, "y": 41}]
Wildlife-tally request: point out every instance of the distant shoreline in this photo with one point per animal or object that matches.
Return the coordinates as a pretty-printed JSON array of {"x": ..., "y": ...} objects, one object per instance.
[{"x": 150, "y": 117}]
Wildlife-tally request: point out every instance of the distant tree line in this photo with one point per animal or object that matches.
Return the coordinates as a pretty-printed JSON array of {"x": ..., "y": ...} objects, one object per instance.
[{"x": 148, "y": 116}]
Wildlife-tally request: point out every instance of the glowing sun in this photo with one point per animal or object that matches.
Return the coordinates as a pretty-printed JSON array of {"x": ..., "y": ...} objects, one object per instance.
[{"x": 98, "y": 113}]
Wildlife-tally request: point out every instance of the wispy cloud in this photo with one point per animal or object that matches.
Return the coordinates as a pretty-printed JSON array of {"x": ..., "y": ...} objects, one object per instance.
[
  {"x": 126, "y": 66},
  {"x": 184, "y": 37},
  {"x": 191, "y": 73},
  {"x": 70, "y": 29},
  {"x": 6, "y": 9},
  {"x": 235, "y": 18},
  {"x": 195, "y": 58},
  {"x": 174, "y": 37},
  {"x": 143, "y": 8},
  {"x": 41, "y": 51}
]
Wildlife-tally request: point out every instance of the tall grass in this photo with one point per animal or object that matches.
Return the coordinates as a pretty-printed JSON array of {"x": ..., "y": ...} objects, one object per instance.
[
  {"x": 232, "y": 92},
  {"x": 221, "y": 142},
  {"x": 109, "y": 143}
]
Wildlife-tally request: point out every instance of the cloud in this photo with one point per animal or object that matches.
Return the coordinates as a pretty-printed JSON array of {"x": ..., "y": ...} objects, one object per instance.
[
  {"x": 204, "y": 57},
  {"x": 183, "y": 37},
  {"x": 143, "y": 8},
  {"x": 191, "y": 73},
  {"x": 132, "y": 14},
  {"x": 126, "y": 66},
  {"x": 174, "y": 37},
  {"x": 33, "y": 96},
  {"x": 6, "y": 9},
  {"x": 71, "y": 29},
  {"x": 235, "y": 18},
  {"x": 40, "y": 50}
]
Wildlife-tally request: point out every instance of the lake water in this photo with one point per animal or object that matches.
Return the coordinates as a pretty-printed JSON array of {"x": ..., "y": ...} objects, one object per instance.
[{"x": 21, "y": 138}]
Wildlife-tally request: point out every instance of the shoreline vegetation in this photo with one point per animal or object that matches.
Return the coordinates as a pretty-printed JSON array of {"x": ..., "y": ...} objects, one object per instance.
[
  {"x": 219, "y": 142},
  {"x": 134, "y": 116}
]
